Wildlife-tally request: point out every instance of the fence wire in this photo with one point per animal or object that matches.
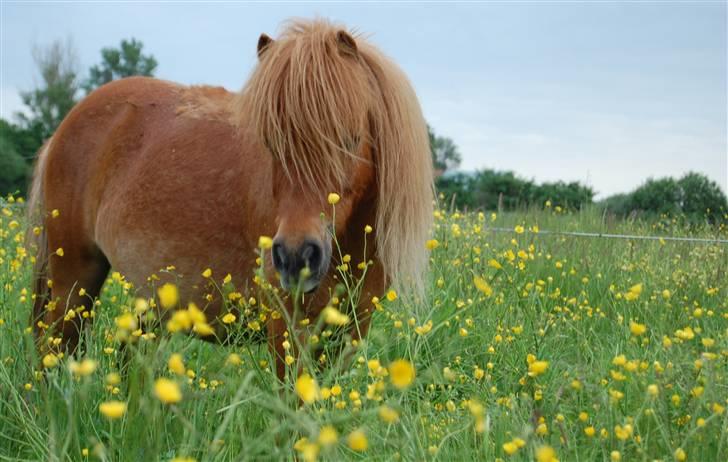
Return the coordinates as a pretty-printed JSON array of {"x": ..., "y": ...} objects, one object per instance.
[{"x": 616, "y": 236}]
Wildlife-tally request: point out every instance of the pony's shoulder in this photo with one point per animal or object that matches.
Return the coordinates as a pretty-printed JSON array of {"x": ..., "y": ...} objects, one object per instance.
[{"x": 202, "y": 101}]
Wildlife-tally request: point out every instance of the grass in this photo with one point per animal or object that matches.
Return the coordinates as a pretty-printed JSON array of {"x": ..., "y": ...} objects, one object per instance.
[{"x": 594, "y": 349}]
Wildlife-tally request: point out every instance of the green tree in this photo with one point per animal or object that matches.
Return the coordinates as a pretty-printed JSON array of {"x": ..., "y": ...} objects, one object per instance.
[
  {"x": 13, "y": 168},
  {"x": 125, "y": 61},
  {"x": 46, "y": 106},
  {"x": 445, "y": 155},
  {"x": 702, "y": 197},
  {"x": 572, "y": 195},
  {"x": 661, "y": 196},
  {"x": 693, "y": 196},
  {"x": 49, "y": 103}
]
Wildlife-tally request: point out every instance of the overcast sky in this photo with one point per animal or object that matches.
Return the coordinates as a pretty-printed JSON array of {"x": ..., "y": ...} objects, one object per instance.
[{"x": 604, "y": 93}]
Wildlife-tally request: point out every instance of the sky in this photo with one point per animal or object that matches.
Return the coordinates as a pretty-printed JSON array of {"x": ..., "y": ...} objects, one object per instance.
[{"x": 605, "y": 93}]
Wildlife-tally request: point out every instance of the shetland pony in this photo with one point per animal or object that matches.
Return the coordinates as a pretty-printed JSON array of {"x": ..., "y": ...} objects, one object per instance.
[{"x": 145, "y": 173}]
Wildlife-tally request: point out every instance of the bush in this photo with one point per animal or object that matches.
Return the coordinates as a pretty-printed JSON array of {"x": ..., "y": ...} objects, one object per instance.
[
  {"x": 693, "y": 196},
  {"x": 13, "y": 169},
  {"x": 493, "y": 190}
]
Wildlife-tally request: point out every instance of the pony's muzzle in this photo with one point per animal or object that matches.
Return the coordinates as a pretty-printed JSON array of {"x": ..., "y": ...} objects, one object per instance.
[{"x": 303, "y": 267}]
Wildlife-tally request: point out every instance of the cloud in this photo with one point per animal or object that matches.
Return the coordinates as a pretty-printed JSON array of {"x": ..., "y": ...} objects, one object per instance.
[{"x": 547, "y": 142}]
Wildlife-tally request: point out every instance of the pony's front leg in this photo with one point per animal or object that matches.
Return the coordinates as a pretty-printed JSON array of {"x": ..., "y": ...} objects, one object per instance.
[{"x": 277, "y": 329}]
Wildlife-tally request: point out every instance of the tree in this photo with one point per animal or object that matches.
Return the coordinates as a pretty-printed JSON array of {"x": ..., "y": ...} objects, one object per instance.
[
  {"x": 125, "y": 61},
  {"x": 573, "y": 194},
  {"x": 702, "y": 197},
  {"x": 48, "y": 104},
  {"x": 445, "y": 155},
  {"x": 662, "y": 196},
  {"x": 13, "y": 168},
  {"x": 694, "y": 196}
]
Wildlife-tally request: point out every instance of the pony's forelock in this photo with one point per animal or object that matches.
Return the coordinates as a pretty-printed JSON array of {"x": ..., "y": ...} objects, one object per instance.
[{"x": 306, "y": 99}]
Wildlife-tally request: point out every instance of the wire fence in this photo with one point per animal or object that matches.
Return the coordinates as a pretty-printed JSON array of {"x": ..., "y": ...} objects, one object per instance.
[{"x": 617, "y": 236}]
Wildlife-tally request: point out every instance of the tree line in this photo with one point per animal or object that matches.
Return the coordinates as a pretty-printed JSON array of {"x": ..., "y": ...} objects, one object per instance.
[{"x": 693, "y": 196}]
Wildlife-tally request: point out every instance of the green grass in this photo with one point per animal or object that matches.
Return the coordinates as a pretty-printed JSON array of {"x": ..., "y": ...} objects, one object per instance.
[{"x": 562, "y": 301}]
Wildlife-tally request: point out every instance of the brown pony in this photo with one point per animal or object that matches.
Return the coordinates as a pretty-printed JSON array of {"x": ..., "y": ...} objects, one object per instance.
[{"x": 145, "y": 173}]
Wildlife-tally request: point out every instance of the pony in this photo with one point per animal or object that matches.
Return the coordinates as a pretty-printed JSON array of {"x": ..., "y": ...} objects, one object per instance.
[{"x": 145, "y": 173}]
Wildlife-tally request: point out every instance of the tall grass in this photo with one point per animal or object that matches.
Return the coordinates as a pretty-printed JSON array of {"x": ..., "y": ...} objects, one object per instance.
[{"x": 575, "y": 306}]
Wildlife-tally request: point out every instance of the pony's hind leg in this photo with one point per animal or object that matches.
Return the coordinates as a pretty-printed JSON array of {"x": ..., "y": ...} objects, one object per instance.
[{"x": 76, "y": 277}]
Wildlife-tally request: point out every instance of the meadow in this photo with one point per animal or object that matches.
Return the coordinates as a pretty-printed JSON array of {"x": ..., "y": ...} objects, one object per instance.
[{"x": 525, "y": 346}]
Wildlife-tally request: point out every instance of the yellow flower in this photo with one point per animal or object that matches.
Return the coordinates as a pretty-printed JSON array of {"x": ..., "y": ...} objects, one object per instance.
[
  {"x": 546, "y": 454},
  {"x": 510, "y": 448},
  {"x": 140, "y": 306},
  {"x": 84, "y": 368},
  {"x": 482, "y": 286},
  {"x": 55, "y": 213},
  {"x": 537, "y": 368},
  {"x": 333, "y": 198},
  {"x": 113, "y": 378},
  {"x": 680, "y": 455},
  {"x": 636, "y": 328},
  {"x": 203, "y": 329},
  {"x": 307, "y": 389},
  {"x": 589, "y": 431},
  {"x": 176, "y": 365},
  {"x": 309, "y": 450},
  {"x": 634, "y": 292},
  {"x": 388, "y": 415},
  {"x": 623, "y": 433},
  {"x": 207, "y": 273},
  {"x": 112, "y": 409},
  {"x": 493, "y": 263},
  {"x": 432, "y": 244},
  {"x": 334, "y": 316},
  {"x": 402, "y": 373},
  {"x": 519, "y": 229},
  {"x": 653, "y": 390},
  {"x": 265, "y": 242},
  {"x": 229, "y": 318},
  {"x": 59, "y": 251},
  {"x": 615, "y": 456},
  {"x": 167, "y": 391},
  {"x": 391, "y": 295},
  {"x": 368, "y": 229},
  {"x": 168, "y": 295},
  {"x": 50, "y": 360},
  {"x": 328, "y": 436},
  {"x": 357, "y": 441},
  {"x": 718, "y": 409},
  {"x": 234, "y": 359}
]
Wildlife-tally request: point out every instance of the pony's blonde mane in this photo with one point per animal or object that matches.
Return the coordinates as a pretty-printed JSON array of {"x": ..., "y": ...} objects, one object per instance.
[{"x": 306, "y": 99}]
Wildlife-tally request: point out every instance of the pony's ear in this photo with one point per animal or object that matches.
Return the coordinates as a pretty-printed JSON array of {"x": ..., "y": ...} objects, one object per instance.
[
  {"x": 346, "y": 43},
  {"x": 263, "y": 43}
]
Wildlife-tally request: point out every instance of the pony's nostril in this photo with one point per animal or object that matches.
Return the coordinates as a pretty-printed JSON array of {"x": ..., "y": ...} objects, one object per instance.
[
  {"x": 280, "y": 258},
  {"x": 311, "y": 255}
]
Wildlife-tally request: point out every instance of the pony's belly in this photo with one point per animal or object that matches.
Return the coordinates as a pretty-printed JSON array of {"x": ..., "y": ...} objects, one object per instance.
[{"x": 150, "y": 252}]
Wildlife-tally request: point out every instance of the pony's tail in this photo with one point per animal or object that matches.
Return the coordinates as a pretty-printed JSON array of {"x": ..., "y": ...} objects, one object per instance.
[{"x": 36, "y": 238}]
